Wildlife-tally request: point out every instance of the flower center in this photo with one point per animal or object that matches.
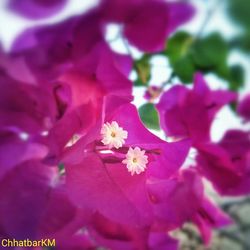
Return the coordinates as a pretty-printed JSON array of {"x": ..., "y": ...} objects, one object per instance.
[
  {"x": 113, "y": 134},
  {"x": 134, "y": 160}
]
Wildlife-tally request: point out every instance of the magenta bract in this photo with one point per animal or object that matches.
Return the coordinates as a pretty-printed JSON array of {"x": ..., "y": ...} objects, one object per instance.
[{"x": 189, "y": 113}]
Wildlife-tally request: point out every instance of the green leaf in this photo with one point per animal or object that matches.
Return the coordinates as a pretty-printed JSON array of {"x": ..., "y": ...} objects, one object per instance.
[
  {"x": 178, "y": 52},
  {"x": 210, "y": 51},
  {"x": 207, "y": 54},
  {"x": 239, "y": 11},
  {"x": 178, "y": 46},
  {"x": 242, "y": 42},
  {"x": 233, "y": 106},
  {"x": 236, "y": 77},
  {"x": 143, "y": 70},
  {"x": 222, "y": 71},
  {"x": 149, "y": 116},
  {"x": 185, "y": 69}
]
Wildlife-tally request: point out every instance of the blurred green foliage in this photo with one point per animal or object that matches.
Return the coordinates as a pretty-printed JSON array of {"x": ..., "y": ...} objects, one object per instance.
[
  {"x": 143, "y": 70},
  {"x": 149, "y": 116},
  {"x": 179, "y": 55},
  {"x": 242, "y": 42},
  {"x": 188, "y": 54},
  {"x": 239, "y": 11}
]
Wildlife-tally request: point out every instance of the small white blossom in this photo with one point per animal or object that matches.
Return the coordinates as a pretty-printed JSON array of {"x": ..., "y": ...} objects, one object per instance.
[
  {"x": 113, "y": 135},
  {"x": 136, "y": 160}
]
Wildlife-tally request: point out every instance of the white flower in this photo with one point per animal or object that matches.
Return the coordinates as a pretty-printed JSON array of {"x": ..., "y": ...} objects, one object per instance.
[
  {"x": 113, "y": 135},
  {"x": 136, "y": 160}
]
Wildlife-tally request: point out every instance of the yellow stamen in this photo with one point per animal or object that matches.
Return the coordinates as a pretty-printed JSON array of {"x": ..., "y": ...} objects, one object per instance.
[
  {"x": 134, "y": 160},
  {"x": 113, "y": 134}
]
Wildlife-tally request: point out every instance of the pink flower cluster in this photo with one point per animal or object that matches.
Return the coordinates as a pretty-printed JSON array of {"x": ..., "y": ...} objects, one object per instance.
[{"x": 76, "y": 162}]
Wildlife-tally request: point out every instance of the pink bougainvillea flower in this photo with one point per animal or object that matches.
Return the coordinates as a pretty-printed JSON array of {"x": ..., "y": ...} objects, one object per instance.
[
  {"x": 34, "y": 205},
  {"x": 172, "y": 205},
  {"x": 190, "y": 112},
  {"x": 97, "y": 174},
  {"x": 107, "y": 68},
  {"x": 112, "y": 235},
  {"x": 76, "y": 242},
  {"x": 14, "y": 150},
  {"x": 228, "y": 158},
  {"x": 243, "y": 108},
  {"x": 24, "y": 199},
  {"x": 119, "y": 236},
  {"x": 152, "y": 93},
  {"x": 169, "y": 204},
  {"x": 36, "y": 47},
  {"x": 34, "y": 110},
  {"x": 73, "y": 38},
  {"x": 77, "y": 164},
  {"x": 140, "y": 19},
  {"x": 61, "y": 108},
  {"x": 208, "y": 217},
  {"x": 161, "y": 241},
  {"x": 36, "y": 9},
  {"x": 95, "y": 77},
  {"x": 28, "y": 108}
]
